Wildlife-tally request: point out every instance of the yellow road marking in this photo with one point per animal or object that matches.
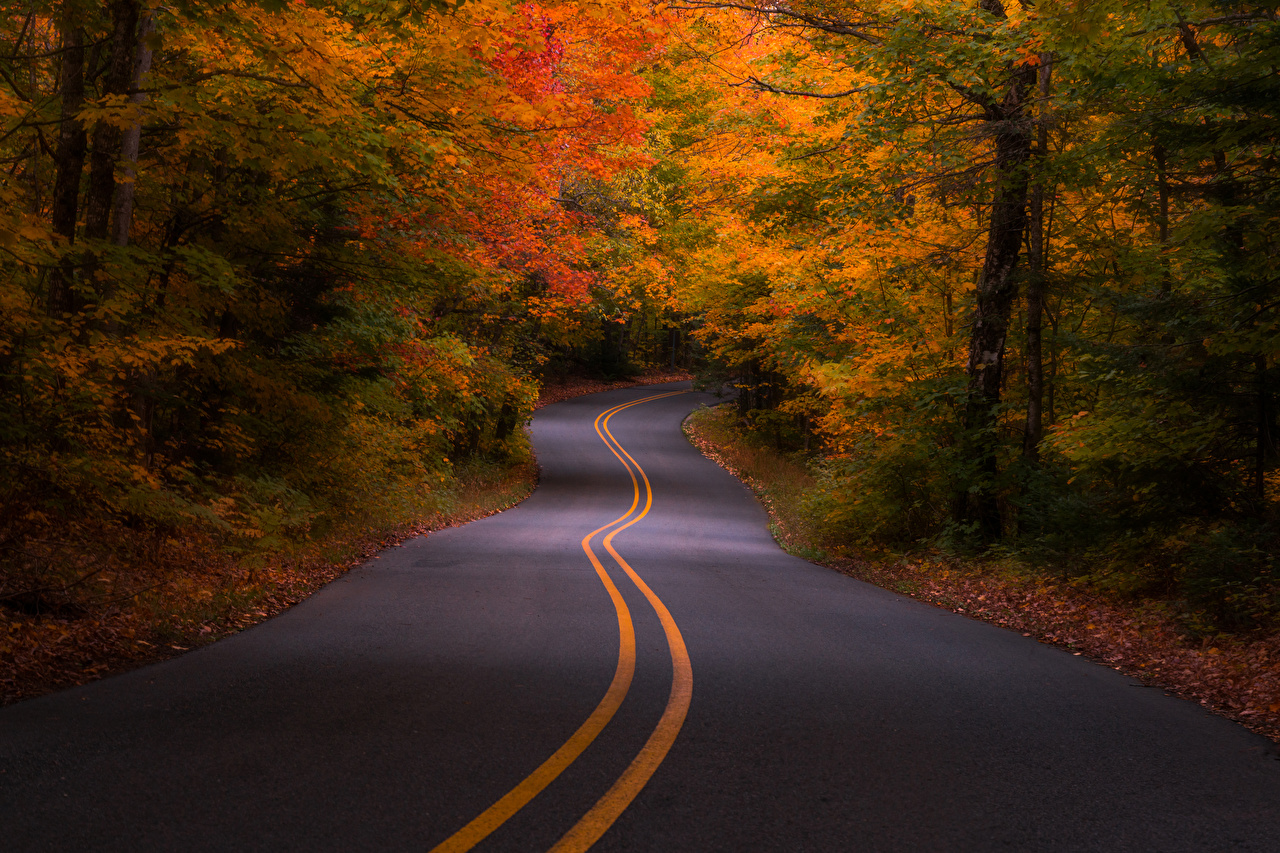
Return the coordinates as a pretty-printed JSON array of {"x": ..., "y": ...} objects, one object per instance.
[
  {"x": 515, "y": 799},
  {"x": 606, "y": 811}
]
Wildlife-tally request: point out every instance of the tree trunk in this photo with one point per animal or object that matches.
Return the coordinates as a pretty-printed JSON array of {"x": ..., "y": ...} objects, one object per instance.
[
  {"x": 997, "y": 291},
  {"x": 122, "y": 213},
  {"x": 69, "y": 157},
  {"x": 1264, "y": 446},
  {"x": 1036, "y": 280},
  {"x": 107, "y": 136},
  {"x": 1162, "y": 191}
]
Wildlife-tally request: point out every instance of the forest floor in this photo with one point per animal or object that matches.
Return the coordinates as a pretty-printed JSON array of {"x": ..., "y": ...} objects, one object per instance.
[
  {"x": 202, "y": 595},
  {"x": 1235, "y": 676}
]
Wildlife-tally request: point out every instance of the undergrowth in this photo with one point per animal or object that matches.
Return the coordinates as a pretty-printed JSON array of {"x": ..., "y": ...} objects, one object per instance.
[{"x": 141, "y": 596}]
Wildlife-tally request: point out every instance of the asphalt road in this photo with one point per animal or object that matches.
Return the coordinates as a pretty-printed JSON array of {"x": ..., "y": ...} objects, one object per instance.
[{"x": 399, "y": 703}]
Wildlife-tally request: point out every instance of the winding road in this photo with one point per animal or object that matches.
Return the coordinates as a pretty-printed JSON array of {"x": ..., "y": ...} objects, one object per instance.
[{"x": 625, "y": 661}]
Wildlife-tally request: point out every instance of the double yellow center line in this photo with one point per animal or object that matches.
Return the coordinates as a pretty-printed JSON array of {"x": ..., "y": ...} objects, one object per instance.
[{"x": 607, "y": 810}]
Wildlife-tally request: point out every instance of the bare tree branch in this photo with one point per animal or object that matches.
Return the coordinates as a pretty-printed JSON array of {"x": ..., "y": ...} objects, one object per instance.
[
  {"x": 833, "y": 25},
  {"x": 760, "y": 85}
]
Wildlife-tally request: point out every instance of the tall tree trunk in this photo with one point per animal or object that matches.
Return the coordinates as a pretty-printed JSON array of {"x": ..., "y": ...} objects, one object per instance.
[
  {"x": 1036, "y": 280},
  {"x": 122, "y": 214},
  {"x": 1162, "y": 190},
  {"x": 107, "y": 135},
  {"x": 69, "y": 157},
  {"x": 1161, "y": 158},
  {"x": 997, "y": 291},
  {"x": 1264, "y": 446}
]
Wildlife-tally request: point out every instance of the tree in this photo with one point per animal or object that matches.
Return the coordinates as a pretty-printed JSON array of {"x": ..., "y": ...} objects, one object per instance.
[{"x": 281, "y": 259}]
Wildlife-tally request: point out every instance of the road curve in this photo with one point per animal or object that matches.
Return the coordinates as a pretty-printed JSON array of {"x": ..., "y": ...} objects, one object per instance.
[{"x": 398, "y": 704}]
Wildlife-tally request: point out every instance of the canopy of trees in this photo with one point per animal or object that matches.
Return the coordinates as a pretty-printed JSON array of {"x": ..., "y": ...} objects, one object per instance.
[
  {"x": 270, "y": 261},
  {"x": 1008, "y": 271},
  {"x": 1015, "y": 265}
]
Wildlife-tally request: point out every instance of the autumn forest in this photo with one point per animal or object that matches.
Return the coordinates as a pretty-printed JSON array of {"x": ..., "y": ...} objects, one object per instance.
[{"x": 1003, "y": 277}]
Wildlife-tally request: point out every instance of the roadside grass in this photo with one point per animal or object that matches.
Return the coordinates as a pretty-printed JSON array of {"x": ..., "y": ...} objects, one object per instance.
[
  {"x": 1235, "y": 676},
  {"x": 779, "y": 481}
]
